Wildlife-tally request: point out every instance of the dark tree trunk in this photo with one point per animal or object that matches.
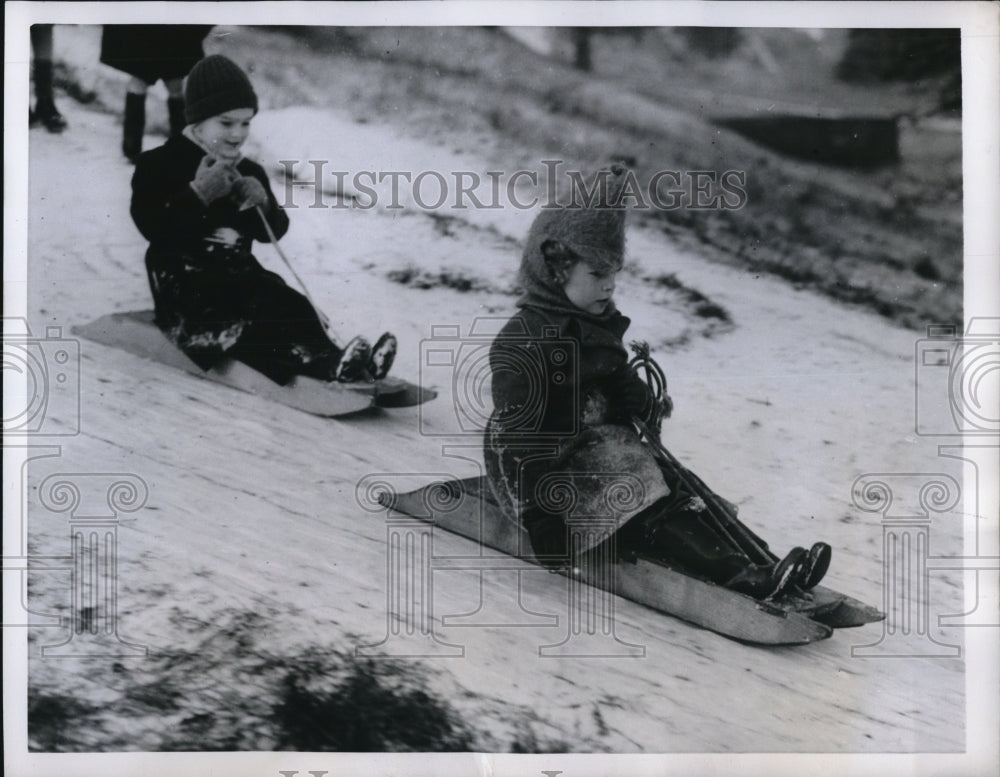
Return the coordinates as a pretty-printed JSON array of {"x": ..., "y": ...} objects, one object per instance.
[{"x": 581, "y": 44}]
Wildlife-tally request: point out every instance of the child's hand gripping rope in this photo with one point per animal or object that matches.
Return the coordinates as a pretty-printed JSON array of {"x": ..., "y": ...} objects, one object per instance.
[
  {"x": 249, "y": 193},
  {"x": 216, "y": 178},
  {"x": 213, "y": 179}
]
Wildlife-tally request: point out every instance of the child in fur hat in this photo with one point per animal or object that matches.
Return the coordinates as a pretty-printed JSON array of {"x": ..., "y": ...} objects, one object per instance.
[
  {"x": 201, "y": 204},
  {"x": 564, "y": 403}
]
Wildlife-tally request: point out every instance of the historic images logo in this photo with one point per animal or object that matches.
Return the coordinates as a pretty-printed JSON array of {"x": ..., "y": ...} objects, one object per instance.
[{"x": 666, "y": 190}]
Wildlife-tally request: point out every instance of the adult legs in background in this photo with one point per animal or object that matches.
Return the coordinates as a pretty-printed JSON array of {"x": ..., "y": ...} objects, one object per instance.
[
  {"x": 134, "y": 124},
  {"x": 175, "y": 105},
  {"x": 45, "y": 111}
]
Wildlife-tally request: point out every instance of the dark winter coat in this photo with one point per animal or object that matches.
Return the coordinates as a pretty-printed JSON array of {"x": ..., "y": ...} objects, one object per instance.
[
  {"x": 558, "y": 427},
  {"x": 213, "y": 299},
  {"x": 560, "y": 444},
  {"x": 153, "y": 51}
]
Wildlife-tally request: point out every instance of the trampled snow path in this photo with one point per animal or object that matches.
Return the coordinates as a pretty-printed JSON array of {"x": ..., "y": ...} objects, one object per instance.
[{"x": 252, "y": 505}]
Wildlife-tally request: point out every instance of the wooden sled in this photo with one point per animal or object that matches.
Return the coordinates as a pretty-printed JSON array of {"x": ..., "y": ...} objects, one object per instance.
[
  {"x": 135, "y": 333},
  {"x": 467, "y": 507}
]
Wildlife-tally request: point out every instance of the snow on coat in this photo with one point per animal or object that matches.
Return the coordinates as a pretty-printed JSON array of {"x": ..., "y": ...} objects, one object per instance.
[{"x": 557, "y": 442}]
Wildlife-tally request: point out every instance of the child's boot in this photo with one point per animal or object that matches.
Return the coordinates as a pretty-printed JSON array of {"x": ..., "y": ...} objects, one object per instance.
[
  {"x": 815, "y": 565},
  {"x": 175, "y": 107},
  {"x": 134, "y": 125},
  {"x": 354, "y": 361},
  {"x": 762, "y": 582},
  {"x": 383, "y": 355}
]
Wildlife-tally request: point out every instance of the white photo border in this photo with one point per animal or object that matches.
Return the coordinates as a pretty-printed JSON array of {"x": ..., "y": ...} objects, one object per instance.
[{"x": 981, "y": 171}]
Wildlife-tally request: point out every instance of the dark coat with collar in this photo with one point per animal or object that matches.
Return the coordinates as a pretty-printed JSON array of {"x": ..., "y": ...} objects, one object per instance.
[
  {"x": 559, "y": 442},
  {"x": 560, "y": 447}
]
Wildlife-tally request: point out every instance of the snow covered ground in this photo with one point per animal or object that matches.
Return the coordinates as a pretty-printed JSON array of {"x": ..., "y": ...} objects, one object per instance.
[{"x": 253, "y": 542}]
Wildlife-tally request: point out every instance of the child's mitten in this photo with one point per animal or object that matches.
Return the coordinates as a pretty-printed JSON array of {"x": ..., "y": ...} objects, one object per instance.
[
  {"x": 633, "y": 396},
  {"x": 248, "y": 192},
  {"x": 213, "y": 180}
]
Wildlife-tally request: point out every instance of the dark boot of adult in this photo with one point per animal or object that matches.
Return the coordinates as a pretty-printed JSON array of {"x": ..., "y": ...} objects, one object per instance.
[
  {"x": 175, "y": 105},
  {"x": 134, "y": 124},
  {"x": 45, "y": 111},
  {"x": 175, "y": 108}
]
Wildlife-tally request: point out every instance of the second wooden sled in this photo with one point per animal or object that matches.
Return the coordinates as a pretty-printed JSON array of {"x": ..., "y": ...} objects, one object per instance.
[
  {"x": 135, "y": 333},
  {"x": 467, "y": 507}
]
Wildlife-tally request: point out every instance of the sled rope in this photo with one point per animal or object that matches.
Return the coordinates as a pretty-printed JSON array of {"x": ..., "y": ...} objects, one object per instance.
[
  {"x": 653, "y": 374},
  {"x": 718, "y": 512},
  {"x": 324, "y": 319}
]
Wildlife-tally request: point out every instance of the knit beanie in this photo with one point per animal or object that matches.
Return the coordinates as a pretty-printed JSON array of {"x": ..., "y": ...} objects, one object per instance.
[{"x": 215, "y": 85}]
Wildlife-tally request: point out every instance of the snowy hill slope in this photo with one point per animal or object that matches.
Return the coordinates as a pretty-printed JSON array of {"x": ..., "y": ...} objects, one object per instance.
[{"x": 782, "y": 400}]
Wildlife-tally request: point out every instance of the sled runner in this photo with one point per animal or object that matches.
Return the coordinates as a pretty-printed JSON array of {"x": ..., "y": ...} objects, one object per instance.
[
  {"x": 135, "y": 333},
  {"x": 467, "y": 507}
]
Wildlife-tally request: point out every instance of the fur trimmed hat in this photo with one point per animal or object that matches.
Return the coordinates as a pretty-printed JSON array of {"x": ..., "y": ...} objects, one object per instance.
[
  {"x": 594, "y": 231},
  {"x": 215, "y": 85}
]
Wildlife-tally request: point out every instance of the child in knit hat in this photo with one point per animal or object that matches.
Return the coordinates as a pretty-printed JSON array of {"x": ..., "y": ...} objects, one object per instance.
[
  {"x": 565, "y": 407},
  {"x": 201, "y": 204}
]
